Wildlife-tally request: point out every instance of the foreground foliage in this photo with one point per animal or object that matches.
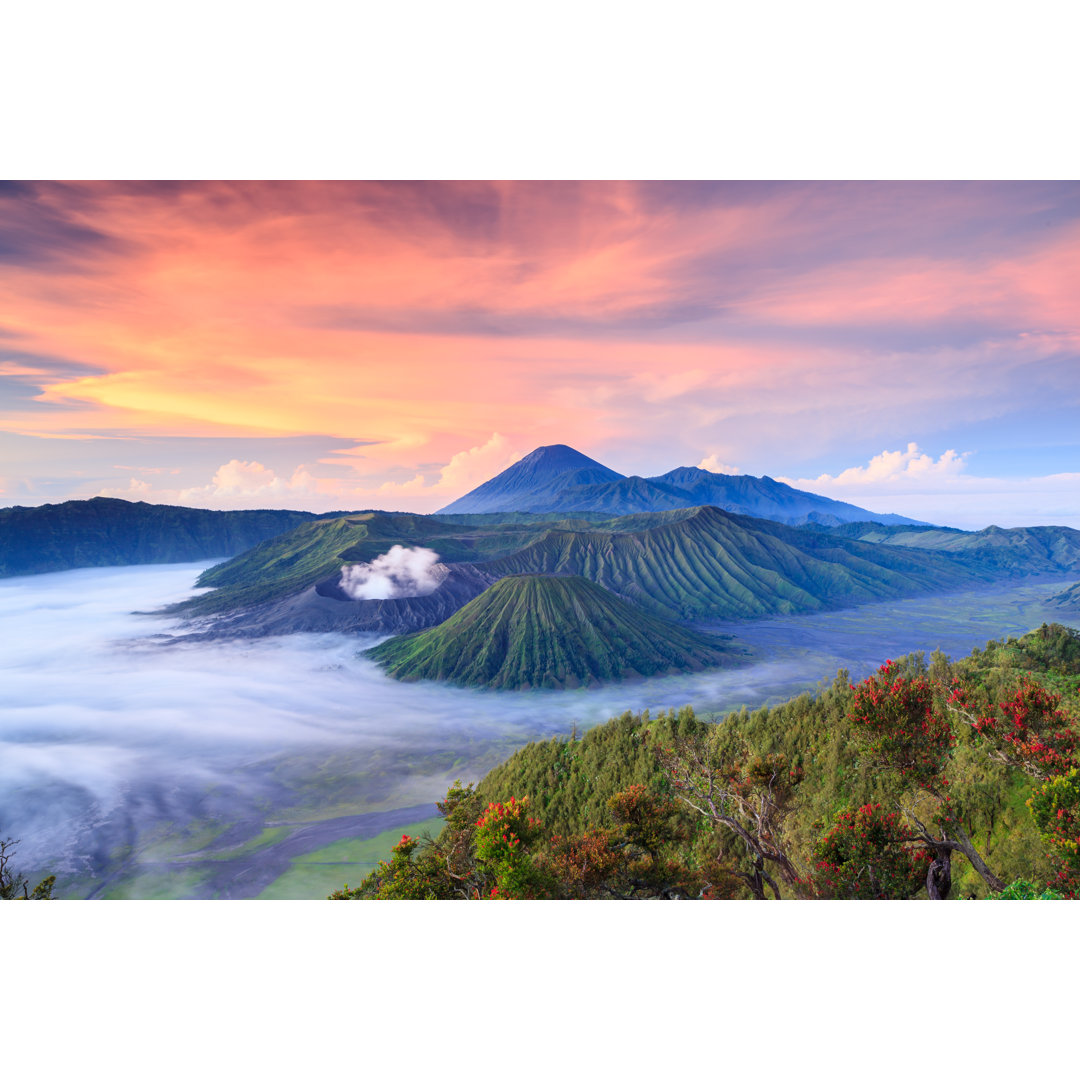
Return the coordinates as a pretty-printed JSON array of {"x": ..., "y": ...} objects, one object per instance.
[
  {"x": 15, "y": 886},
  {"x": 939, "y": 780}
]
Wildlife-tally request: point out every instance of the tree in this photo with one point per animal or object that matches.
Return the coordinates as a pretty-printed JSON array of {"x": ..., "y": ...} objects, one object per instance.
[
  {"x": 499, "y": 851},
  {"x": 903, "y": 725},
  {"x": 504, "y": 846},
  {"x": 425, "y": 869},
  {"x": 12, "y": 883},
  {"x": 640, "y": 857},
  {"x": 866, "y": 855},
  {"x": 1055, "y": 806},
  {"x": 1029, "y": 730},
  {"x": 745, "y": 795}
]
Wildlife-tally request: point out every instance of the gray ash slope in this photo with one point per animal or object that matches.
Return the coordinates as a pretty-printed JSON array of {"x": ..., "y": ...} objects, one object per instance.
[{"x": 325, "y": 608}]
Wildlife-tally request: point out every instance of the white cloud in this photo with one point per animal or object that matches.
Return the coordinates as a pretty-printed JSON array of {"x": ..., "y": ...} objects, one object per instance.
[
  {"x": 235, "y": 485},
  {"x": 253, "y": 478},
  {"x": 909, "y": 467},
  {"x": 399, "y": 572},
  {"x": 913, "y": 483},
  {"x": 238, "y": 485},
  {"x": 713, "y": 464},
  {"x": 468, "y": 468},
  {"x": 136, "y": 489}
]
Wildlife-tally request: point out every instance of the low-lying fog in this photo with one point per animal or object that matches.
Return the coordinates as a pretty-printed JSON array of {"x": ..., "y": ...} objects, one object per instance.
[{"x": 112, "y": 737}]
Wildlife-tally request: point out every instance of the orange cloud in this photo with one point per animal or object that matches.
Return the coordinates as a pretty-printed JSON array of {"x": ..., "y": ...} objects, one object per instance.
[{"x": 422, "y": 318}]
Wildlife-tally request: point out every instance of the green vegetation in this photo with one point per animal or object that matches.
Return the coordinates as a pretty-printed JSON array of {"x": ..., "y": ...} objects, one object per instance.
[
  {"x": 541, "y": 631},
  {"x": 168, "y": 842},
  {"x": 288, "y": 564},
  {"x": 1025, "y": 890},
  {"x": 1042, "y": 549},
  {"x": 707, "y": 563},
  {"x": 14, "y": 885},
  {"x": 319, "y": 872},
  {"x": 316, "y": 552},
  {"x": 683, "y": 564},
  {"x": 156, "y": 884},
  {"x": 269, "y": 836},
  {"x": 947, "y": 779},
  {"x": 115, "y": 532}
]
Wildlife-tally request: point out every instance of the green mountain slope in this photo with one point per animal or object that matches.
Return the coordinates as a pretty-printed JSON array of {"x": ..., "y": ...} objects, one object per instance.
[
  {"x": 115, "y": 532},
  {"x": 1068, "y": 598},
  {"x": 316, "y": 551},
  {"x": 690, "y": 563},
  {"x": 552, "y": 632},
  {"x": 1039, "y": 549},
  {"x": 712, "y": 564}
]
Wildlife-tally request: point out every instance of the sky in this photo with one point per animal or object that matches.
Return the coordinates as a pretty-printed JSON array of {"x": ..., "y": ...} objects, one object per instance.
[{"x": 911, "y": 347}]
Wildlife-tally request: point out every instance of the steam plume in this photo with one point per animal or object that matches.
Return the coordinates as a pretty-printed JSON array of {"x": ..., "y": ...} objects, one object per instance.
[{"x": 400, "y": 572}]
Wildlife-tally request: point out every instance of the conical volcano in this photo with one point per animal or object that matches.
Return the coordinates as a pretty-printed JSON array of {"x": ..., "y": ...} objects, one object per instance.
[
  {"x": 537, "y": 477},
  {"x": 535, "y": 630}
]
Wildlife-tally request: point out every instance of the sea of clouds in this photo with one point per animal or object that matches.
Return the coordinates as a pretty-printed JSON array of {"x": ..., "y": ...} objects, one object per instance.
[{"x": 111, "y": 725}]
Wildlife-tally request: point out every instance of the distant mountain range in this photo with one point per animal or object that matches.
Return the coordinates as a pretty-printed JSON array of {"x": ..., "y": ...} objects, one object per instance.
[
  {"x": 690, "y": 564},
  {"x": 1069, "y": 599},
  {"x": 560, "y": 480},
  {"x": 561, "y": 587},
  {"x": 116, "y": 532},
  {"x": 707, "y": 563},
  {"x": 556, "y": 482}
]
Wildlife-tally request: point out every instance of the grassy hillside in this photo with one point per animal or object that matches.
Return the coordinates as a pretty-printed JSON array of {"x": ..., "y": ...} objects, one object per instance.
[
  {"x": 568, "y": 782},
  {"x": 538, "y": 631},
  {"x": 707, "y": 563},
  {"x": 1041, "y": 549},
  {"x": 115, "y": 532},
  {"x": 317, "y": 550},
  {"x": 685, "y": 564}
]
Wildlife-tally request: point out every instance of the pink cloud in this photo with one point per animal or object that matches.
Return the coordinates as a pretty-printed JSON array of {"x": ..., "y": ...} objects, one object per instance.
[{"x": 420, "y": 319}]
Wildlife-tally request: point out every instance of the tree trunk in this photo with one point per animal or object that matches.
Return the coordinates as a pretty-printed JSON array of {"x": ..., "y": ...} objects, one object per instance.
[
  {"x": 939, "y": 876},
  {"x": 993, "y": 882}
]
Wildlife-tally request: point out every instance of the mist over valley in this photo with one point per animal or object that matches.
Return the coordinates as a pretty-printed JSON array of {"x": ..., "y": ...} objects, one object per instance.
[{"x": 135, "y": 762}]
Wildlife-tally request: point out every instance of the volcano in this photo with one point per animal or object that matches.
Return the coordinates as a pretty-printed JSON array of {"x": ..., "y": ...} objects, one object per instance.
[{"x": 546, "y": 631}]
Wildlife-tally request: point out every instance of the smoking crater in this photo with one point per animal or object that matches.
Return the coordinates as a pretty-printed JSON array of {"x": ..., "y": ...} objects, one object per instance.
[{"x": 399, "y": 573}]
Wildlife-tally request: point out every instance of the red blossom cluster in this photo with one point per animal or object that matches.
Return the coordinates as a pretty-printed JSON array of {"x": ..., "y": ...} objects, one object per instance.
[
  {"x": 1030, "y": 729},
  {"x": 1055, "y": 807},
  {"x": 904, "y": 730},
  {"x": 502, "y": 842},
  {"x": 864, "y": 856},
  {"x": 504, "y": 816},
  {"x": 405, "y": 846}
]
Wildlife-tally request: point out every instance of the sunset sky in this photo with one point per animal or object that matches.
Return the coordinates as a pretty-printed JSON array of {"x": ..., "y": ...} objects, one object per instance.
[{"x": 911, "y": 347}]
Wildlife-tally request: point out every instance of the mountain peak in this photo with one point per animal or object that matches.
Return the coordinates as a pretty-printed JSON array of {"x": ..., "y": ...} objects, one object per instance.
[
  {"x": 560, "y": 479},
  {"x": 546, "y": 468},
  {"x": 558, "y": 458}
]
